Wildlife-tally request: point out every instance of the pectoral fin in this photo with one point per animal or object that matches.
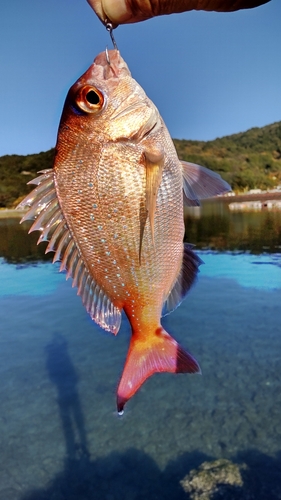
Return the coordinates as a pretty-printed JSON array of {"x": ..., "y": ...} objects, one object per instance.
[
  {"x": 154, "y": 163},
  {"x": 201, "y": 182}
]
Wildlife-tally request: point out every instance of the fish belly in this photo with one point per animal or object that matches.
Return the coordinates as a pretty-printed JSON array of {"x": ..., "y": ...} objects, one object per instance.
[{"x": 104, "y": 206}]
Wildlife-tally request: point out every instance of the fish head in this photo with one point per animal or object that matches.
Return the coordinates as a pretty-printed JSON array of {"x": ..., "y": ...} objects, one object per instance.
[{"x": 106, "y": 101}]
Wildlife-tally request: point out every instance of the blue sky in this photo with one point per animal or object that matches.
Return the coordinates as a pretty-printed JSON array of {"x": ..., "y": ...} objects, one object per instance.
[{"x": 210, "y": 74}]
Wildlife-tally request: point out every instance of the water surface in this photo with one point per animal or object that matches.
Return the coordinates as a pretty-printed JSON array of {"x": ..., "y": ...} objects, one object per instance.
[{"x": 60, "y": 435}]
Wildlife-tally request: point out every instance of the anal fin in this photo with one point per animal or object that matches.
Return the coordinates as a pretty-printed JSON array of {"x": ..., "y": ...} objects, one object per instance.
[{"x": 185, "y": 279}]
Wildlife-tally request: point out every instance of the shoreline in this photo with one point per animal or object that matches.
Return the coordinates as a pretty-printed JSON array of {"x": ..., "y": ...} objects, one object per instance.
[
  {"x": 244, "y": 197},
  {"x": 13, "y": 213}
]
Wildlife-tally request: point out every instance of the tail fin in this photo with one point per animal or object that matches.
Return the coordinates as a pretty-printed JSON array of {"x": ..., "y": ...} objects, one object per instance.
[{"x": 161, "y": 354}]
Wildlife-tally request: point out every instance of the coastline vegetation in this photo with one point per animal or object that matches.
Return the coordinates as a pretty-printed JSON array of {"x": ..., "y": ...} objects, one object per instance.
[{"x": 247, "y": 160}]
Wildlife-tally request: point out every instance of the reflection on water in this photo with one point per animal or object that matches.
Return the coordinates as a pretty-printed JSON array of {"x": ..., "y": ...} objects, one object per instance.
[
  {"x": 211, "y": 226},
  {"x": 16, "y": 245},
  {"x": 215, "y": 227}
]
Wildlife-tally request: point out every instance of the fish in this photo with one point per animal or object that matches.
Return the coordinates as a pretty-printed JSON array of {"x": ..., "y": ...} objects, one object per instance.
[{"x": 111, "y": 209}]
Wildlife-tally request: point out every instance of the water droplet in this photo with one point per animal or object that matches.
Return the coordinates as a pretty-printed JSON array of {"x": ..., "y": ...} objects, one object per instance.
[
  {"x": 107, "y": 253},
  {"x": 95, "y": 205},
  {"x": 92, "y": 217},
  {"x": 90, "y": 184},
  {"x": 114, "y": 262},
  {"x": 115, "y": 236},
  {"x": 118, "y": 275},
  {"x": 99, "y": 228}
]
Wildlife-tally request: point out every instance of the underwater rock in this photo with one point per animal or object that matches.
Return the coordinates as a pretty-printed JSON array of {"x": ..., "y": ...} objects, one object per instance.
[{"x": 219, "y": 479}]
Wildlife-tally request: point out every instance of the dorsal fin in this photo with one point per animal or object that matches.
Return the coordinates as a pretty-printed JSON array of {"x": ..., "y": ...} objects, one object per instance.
[
  {"x": 49, "y": 219},
  {"x": 184, "y": 281}
]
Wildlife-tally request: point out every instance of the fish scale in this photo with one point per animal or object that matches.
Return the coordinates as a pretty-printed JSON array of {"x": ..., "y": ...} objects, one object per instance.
[{"x": 112, "y": 211}]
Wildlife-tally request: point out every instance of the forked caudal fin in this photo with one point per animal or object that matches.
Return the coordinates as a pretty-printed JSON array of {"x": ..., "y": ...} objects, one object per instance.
[{"x": 161, "y": 354}]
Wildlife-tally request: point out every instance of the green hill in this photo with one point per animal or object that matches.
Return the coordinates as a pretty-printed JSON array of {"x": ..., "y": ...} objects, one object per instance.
[
  {"x": 16, "y": 171},
  {"x": 247, "y": 160}
]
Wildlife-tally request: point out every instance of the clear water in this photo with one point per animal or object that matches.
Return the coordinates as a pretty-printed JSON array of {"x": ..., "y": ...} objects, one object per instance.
[{"x": 60, "y": 436}]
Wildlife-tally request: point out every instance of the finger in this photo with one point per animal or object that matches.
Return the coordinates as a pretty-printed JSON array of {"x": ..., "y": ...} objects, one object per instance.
[{"x": 132, "y": 11}]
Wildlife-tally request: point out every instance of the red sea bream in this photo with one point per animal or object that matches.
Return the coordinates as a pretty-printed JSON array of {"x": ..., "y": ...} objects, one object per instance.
[{"x": 112, "y": 210}]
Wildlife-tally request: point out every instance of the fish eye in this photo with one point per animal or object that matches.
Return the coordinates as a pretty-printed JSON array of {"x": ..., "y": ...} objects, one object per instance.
[
  {"x": 89, "y": 99},
  {"x": 92, "y": 97}
]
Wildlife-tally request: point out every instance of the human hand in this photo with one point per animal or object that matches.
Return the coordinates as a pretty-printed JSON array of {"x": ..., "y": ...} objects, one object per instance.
[{"x": 133, "y": 11}]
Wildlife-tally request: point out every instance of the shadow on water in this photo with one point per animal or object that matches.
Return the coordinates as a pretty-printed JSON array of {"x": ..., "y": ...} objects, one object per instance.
[
  {"x": 132, "y": 474},
  {"x": 63, "y": 375}
]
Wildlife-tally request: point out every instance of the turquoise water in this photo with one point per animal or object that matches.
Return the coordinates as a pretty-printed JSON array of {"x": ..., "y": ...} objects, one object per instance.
[{"x": 60, "y": 435}]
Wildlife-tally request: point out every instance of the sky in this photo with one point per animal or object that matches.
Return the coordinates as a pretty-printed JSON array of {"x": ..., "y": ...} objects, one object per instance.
[{"x": 209, "y": 74}]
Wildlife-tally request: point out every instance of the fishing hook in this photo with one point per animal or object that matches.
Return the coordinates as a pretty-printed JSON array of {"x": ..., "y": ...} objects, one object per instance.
[
  {"x": 107, "y": 56},
  {"x": 109, "y": 28}
]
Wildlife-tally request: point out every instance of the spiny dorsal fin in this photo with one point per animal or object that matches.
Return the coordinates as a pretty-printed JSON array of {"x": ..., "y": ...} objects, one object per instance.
[
  {"x": 184, "y": 281},
  {"x": 49, "y": 219}
]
